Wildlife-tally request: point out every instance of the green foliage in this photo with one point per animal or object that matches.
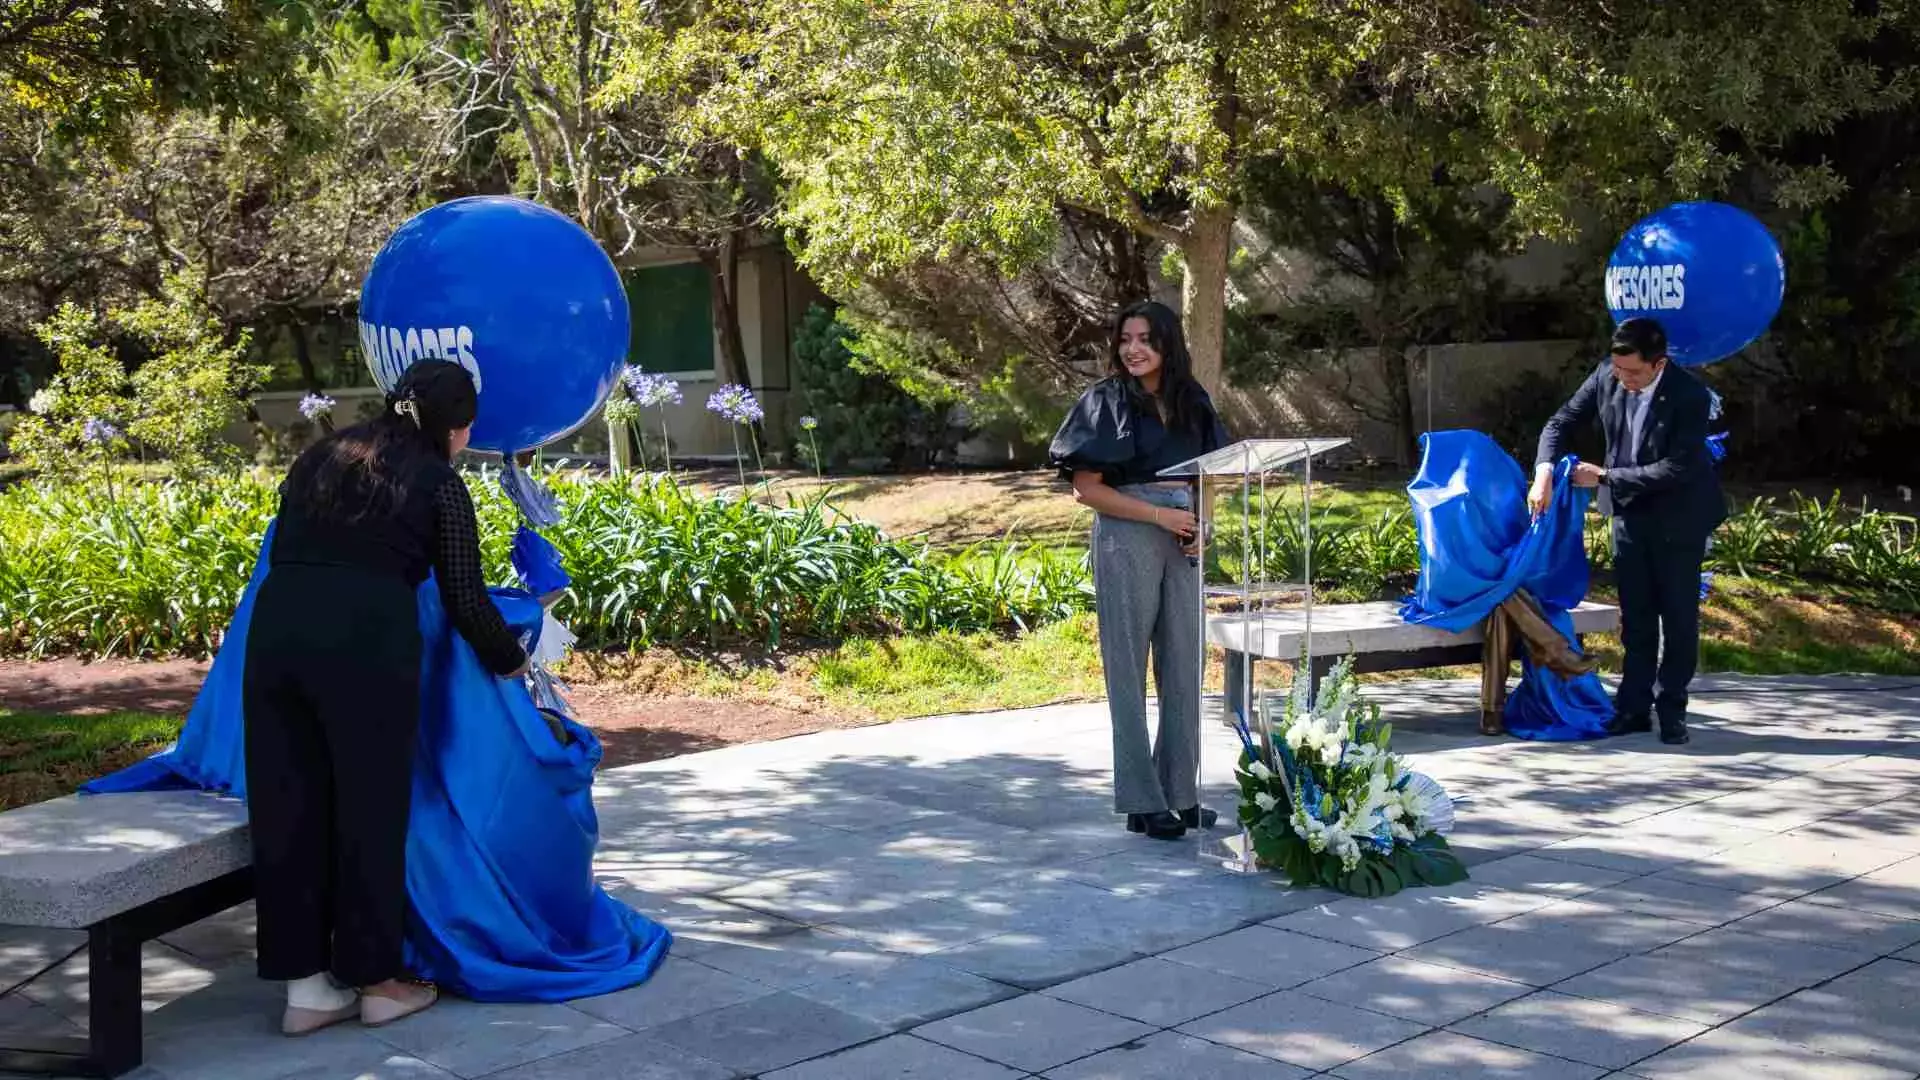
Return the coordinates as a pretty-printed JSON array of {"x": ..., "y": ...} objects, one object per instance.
[
  {"x": 91, "y": 66},
  {"x": 1822, "y": 541},
  {"x": 1370, "y": 556},
  {"x": 157, "y": 568},
  {"x": 175, "y": 406},
  {"x": 861, "y": 414}
]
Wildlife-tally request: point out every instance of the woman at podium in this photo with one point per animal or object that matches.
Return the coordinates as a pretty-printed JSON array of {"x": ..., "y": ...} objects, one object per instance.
[{"x": 1149, "y": 413}]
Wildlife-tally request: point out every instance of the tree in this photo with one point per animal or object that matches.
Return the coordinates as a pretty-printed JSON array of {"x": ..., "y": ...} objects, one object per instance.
[
  {"x": 176, "y": 405},
  {"x": 598, "y": 89},
  {"x": 915, "y": 129},
  {"x": 273, "y": 231},
  {"x": 92, "y": 66}
]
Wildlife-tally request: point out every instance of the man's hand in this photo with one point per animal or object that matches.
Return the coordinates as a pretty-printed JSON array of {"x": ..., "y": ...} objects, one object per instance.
[
  {"x": 1541, "y": 493},
  {"x": 1586, "y": 475}
]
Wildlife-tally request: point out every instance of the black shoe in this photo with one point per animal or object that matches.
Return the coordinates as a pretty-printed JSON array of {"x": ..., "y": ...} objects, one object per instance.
[
  {"x": 1159, "y": 826},
  {"x": 1625, "y": 724},
  {"x": 1674, "y": 732},
  {"x": 1198, "y": 817}
]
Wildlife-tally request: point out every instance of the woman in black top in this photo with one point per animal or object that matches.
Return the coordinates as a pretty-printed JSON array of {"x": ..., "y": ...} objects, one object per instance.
[
  {"x": 332, "y": 692},
  {"x": 1149, "y": 413}
]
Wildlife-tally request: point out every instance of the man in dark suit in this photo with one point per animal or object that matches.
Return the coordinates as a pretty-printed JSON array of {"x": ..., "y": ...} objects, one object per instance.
[{"x": 1660, "y": 487}]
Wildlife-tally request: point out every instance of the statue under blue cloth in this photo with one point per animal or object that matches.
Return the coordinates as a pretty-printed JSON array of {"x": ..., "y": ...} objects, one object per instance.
[
  {"x": 1480, "y": 549},
  {"x": 504, "y": 905}
]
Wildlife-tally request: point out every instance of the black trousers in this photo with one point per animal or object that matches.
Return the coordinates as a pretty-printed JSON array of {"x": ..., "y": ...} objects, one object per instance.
[
  {"x": 1658, "y": 573},
  {"x": 332, "y": 699}
]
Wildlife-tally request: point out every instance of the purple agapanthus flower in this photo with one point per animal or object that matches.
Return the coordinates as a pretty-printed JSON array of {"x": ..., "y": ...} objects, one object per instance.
[
  {"x": 99, "y": 431},
  {"x": 651, "y": 391},
  {"x": 315, "y": 406},
  {"x": 736, "y": 403}
]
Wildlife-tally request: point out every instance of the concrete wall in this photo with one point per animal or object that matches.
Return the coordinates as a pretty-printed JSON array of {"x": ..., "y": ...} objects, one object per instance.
[{"x": 1451, "y": 386}]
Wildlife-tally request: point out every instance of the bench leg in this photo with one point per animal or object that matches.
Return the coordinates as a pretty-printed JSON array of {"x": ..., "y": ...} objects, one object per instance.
[
  {"x": 1236, "y": 675},
  {"x": 113, "y": 1008},
  {"x": 1318, "y": 668}
]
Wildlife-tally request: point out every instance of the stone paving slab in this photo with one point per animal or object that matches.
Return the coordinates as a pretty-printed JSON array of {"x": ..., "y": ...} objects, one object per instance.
[
  {"x": 1594, "y": 1032},
  {"x": 1034, "y": 1033},
  {"x": 1172, "y": 1056},
  {"x": 953, "y": 897},
  {"x": 1446, "y": 1055}
]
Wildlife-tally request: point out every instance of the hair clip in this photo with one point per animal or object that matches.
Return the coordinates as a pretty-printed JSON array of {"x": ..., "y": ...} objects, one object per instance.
[{"x": 409, "y": 410}]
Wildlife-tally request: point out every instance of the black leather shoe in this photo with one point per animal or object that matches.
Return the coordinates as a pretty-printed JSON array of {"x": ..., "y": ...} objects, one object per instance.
[
  {"x": 1160, "y": 826},
  {"x": 1624, "y": 724},
  {"x": 1674, "y": 733},
  {"x": 1198, "y": 817}
]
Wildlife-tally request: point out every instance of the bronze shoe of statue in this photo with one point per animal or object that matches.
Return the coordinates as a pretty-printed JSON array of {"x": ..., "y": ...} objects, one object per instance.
[{"x": 1545, "y": 647}]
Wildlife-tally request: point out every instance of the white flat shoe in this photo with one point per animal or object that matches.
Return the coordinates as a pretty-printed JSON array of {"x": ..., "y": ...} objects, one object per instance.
[
  {"x": 296, "y": 1021},
  {"x": 378, "y": 1011}
]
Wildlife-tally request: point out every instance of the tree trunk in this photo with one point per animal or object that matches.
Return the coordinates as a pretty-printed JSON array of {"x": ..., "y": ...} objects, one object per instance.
[
  {"x": 723, "y": 270},
  {"x": 1396, "y": 373},
  {"x": 303, "y": 356},
  {"x": 1203, "y": 294}
]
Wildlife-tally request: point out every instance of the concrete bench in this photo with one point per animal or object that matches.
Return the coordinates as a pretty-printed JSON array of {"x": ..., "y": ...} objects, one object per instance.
[
  {"x": 1373, "y": 634},
  {"x": 126, "y": 869}
]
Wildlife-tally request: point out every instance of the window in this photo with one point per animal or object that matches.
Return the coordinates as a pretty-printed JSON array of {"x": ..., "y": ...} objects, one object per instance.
[{"x": 672, "y": 312}]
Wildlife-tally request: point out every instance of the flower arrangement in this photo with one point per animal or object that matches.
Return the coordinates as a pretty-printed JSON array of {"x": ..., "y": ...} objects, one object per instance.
[{"x": 1327, "y": 803}]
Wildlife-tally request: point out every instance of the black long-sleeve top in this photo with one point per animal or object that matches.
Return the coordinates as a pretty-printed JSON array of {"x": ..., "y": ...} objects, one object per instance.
[
  {"x": 1107, "y": 434},
  {"x": 432, "y": 529}
]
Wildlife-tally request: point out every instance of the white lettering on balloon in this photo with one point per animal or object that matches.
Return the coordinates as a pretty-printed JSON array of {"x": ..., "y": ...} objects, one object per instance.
[
  {"x": 1647, "y": 288},
  {"x": 390, "y": 350}
]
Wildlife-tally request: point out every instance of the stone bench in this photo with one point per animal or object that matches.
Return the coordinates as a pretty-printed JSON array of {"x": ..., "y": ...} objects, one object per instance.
[
  {"x": 1374, "y": 635},
  {"x": 126, "y": 869}
]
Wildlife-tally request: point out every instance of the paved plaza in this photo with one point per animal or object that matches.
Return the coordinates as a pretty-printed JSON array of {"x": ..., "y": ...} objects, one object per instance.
[{"x": 952, "y": 898}]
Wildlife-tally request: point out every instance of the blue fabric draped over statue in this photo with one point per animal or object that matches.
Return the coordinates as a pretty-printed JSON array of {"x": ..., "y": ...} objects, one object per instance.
[
  {"x": 1479, "y": 543},
  {"x": 500, "y": 844}
]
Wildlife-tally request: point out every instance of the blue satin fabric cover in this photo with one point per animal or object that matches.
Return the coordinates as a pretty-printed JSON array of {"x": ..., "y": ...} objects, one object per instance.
[
  {"x": 1479, "y": 543},
  {"x": 504, "y": 905}
]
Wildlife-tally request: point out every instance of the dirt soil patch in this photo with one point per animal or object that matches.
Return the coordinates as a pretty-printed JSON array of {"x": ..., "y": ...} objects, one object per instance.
[
  {"x": 78, "y": 688},
  {"x": 634, "y": 725}
]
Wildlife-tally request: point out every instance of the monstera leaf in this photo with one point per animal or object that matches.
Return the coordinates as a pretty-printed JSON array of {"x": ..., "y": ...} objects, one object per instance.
[
  {"x": 1432, "y": 862},
  {"x": 1373, "y": 878}
]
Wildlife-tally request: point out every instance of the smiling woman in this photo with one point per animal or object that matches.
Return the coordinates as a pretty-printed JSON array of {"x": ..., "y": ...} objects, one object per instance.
[{"x": 1148, "y": 414}]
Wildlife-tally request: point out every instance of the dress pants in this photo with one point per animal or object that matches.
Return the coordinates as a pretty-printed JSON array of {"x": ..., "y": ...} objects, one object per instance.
[
  {"x": 1658, "y": 573},
  {"x": 1146, "y": 598},
  {"x": 332, "y": 699}
]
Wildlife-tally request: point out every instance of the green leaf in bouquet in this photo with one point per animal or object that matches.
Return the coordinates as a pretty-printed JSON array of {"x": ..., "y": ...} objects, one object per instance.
[
  {"x": 1433, "y": 862},
  {"x": 1374, "y": 877}
]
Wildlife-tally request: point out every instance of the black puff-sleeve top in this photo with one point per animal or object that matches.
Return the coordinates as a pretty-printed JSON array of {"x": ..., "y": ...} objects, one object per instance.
[{"x": 1104, "y": 433}]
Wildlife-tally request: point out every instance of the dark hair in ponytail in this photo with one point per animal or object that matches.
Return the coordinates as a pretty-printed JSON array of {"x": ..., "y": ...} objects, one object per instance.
[
  {"x": 368, "y": 468},
  {"x": 1180, "y": 392}
]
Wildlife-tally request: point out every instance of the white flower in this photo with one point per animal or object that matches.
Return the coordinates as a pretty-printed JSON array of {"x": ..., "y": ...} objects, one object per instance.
[
  {"x": 1265, "y": 802},
  {"x": 42, "y": 401},
  {"x": 1259, "y": 771}
]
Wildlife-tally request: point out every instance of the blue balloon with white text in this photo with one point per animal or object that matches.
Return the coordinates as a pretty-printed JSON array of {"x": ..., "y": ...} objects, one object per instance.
[
  {"x": 518, "y": 294},
  {"x": 1710, "y": 273}
]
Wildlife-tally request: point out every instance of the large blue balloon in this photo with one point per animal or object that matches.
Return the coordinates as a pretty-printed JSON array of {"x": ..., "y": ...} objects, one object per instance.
[
  {"x": 519, "y": 295},
  {"x": 1711, "y": 273}
]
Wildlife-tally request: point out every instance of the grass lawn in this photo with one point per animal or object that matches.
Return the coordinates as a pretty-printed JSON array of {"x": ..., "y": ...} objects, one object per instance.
[{"x": 44, "y": 756}]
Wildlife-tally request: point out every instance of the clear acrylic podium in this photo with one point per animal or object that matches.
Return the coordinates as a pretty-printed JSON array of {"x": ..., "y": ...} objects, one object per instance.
[{"x": 1249, "y": 463}]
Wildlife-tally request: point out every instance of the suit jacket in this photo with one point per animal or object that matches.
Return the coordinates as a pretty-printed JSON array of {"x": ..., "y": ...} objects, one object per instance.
[{"x": 1671, "y": 487}]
